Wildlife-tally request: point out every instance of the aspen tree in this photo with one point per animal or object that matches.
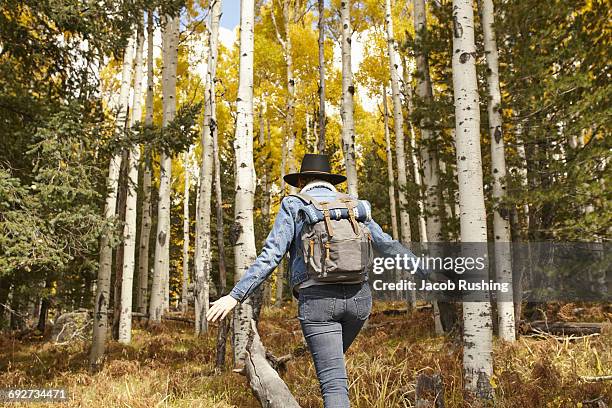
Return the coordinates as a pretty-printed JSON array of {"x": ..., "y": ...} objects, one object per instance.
[
  {"x": 100, "y": 327},
  {"x": 413, "y": 150},
  {"x": 347, "y": 108},
  {"x": 477, "y": 333},
  {"x": 286, "y": 45},
  {"x": 501, "y": 221},
  {"x": 129, "y": 229},
  {"x": 203, "y": 258},
  {"x": 429, "y": 156},
  {"x": 390, "y": 175},
  {"x": 159, "y": 289},
  {"x": 398, "y": 126},
  {"x": 244, "y": 234},
  {"x": 185, "y": 277},
  {"x": 145, "y": 223},
  {"x": 322, "y": 117}
]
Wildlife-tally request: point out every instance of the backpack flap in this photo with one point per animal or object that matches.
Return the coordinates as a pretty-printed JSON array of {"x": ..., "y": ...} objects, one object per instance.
[{"x": 336, "y": 244}]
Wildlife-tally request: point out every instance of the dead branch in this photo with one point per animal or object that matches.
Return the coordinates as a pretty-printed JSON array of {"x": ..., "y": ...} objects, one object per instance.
[
  {"x": 269, "y": 388},
  {"x": 563, "y": 328},
  {"x": 596, "y": 379}
]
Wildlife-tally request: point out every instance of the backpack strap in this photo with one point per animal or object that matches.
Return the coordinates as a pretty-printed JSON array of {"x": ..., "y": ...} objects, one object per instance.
[
  {"x": 306, "y": 198},
  {"x": 327, "y": 219},
  {"x": 322, "y": 206}
]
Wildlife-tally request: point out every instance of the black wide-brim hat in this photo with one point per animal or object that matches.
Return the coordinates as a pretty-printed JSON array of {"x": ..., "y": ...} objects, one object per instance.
[{"x": 315, "y": 165}]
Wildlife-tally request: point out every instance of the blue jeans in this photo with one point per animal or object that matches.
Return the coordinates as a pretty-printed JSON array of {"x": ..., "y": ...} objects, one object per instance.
[{"x": 331, "y": 316}]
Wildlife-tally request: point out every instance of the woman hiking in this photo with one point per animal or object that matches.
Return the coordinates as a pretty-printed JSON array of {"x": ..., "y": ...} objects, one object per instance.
[{"x": 329, "y": 236}]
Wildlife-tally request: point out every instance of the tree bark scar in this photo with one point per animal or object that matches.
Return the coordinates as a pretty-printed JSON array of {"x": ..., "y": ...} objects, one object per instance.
[
  {"x": 457, "y": 28},
  {"x": 498, "y": 134},
  {"x": 162, "y": 238},
  {"x": 235, "y": 232},
  {"x": 464, "y": 57},
  {"x": 100, "y": 302}
]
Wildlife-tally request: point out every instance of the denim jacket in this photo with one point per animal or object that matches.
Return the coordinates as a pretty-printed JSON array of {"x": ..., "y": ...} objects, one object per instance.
[{"x": 285, "y": 236}]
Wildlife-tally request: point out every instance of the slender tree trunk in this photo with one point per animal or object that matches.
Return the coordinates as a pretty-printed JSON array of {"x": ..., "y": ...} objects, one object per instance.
[
  {"x": 286, "y": 44},
  {"x": 391, "y": 176},
  {"x": 44, "y": 307},
  {"x": 244, "y": 245},
  {"x": 129, "y": 229},
  {"x": 280, "y": 269},
  {"x": 145, "y": 224},
  {"x": 413, "y": 150},
  {"x": 501, "y": 216},
  {"x": 159, "y": 288},
  {"x": 219, "y": 208},
  {"x": 264, "y": 144},
  {"x": 429, "y": 156},
  {"x": 322, "y": 117},
  {"x": 121, "y": 207},
  {"x": 398, "y": 126},
  {"x": 203, "y": 256},
  {"x": 100, "y": 327},
  {"x": 348, "y": 91},
  {"x": 477, "y": 335},
  {"x": 186, "y": 228}
]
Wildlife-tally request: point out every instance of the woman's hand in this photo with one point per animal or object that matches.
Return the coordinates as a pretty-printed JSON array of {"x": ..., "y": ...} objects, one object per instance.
[{"x": 220, "y": 308}]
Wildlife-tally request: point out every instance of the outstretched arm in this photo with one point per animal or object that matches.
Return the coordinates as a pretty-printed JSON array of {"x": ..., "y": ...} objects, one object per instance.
[{"x": 276, "y": 245}]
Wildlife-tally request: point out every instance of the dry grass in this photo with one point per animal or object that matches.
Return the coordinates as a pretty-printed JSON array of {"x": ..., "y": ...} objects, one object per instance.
[{"x": 166, "y": 366}]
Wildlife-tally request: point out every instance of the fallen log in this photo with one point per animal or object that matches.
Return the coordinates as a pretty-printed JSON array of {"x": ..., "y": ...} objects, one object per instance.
[
  {"x": 596, "y": 379},
  {"x": 564, "y": 328},
  {"x": 164, "y": 317},
  {"x": 269, "y": 388}
]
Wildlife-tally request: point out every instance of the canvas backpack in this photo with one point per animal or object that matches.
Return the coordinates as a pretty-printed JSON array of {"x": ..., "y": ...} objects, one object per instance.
[{"x": 336, "y": 250}]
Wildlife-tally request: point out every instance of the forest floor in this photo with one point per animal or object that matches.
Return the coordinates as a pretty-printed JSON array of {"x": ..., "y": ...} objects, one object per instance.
[{"x": 166, "y": 366}]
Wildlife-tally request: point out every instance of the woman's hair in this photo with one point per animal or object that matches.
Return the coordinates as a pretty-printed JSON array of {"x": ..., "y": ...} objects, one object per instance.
[{"x": 304, "y": 179}]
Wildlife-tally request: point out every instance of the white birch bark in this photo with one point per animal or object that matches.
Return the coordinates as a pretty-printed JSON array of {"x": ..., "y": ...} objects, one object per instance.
[
  {"x": 429, "y": 156},
  {"x": 391, "y": 176},
  {"x": 244, "y": 245},
  {"x": 186, "y": 187},
  {"x": 159, "y": 289},
  {"x": 501, "y": 220},
  {"x": 100, "y": 327},
  {"x": 347, "y": 109},
  {"x": 145, "y": 224},
  {"x": 203, "y": 250},
  {"x": 477, "y": 336},
  {"x": 129, "y": 229},
  {"x": 398, "y": 126}
]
